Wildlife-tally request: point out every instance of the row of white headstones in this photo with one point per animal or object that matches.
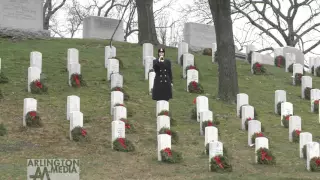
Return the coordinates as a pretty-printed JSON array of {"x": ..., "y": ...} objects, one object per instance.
[
  {"x": 188, "y": 60},
  {"x": 74, "y": 115}
]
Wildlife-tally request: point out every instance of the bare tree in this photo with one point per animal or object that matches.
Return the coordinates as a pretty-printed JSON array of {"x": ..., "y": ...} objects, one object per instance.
[
  {"x": 284, "y": 26},
  {"x": 228, "y": 77},
  {"x": 49, "y": 9}
]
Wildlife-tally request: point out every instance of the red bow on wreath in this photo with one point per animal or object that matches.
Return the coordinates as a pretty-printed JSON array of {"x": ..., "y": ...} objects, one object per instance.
[
  {"x": 118, "y": 89},
  {"x": 278, "y": 61},
  {"x": 210, "y": 123},
  {"x": 83, "y": 132},
  {"x": 127, "y": 126},
  {"x": 122, "y": 142},
  {"x": 218, "y": 161},
  {"x": 168, "y": 151},
  {"x": 264, "y": 155},
  {"x": 76, "y": 78},
  {"x": 258, "y": 66},
  {"x": 287, "y": 118},
  {"x": 318, "y": 162},
  {"x": 33, "y": 114},
  {"x": 192, "y": 67},
  {"x": 38, "y": 84},
  {"x": 168, "y": 132},
  {"x": 194, "y": 100},
  {"x": 298, "y": 132},
  {"x": 166, "y": 113}
]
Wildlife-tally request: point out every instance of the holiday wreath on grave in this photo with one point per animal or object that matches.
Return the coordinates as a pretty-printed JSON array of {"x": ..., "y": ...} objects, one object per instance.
[
  {"x": 224, "y": 149},
  {"x": 220, "y": 163},
  {"x": 296, "y": 135},
  {"x": 77, "y": 80},
  {"x": 254, "y": 111},
  {"x": 265, "y": 156},
  {"x": 316, "y": 106},
  {"x": 297, "y": 79},
  {"x": 123, "y": 145},
  {"x": 290, "y": 68},
  {"x": 304, "y": 151},
  {"x": 280, "y": 61},
  {"x": 315, "y": 164},
  {"x": 247, "y": 122},
  {"x": 191, "y": 67},
  {"x": 195, "y": 87},
  {"x": 126, "y": 97},
  {"x": 129, "y": 126},
  {"x": 258, "y": 69},
  {"x": 255, "y": 135},
  {"x": 38, "y": 87},
  {"x": 194, "y": 110},
  {"x": 318, "y": 71},
  {"x": 170, "y": 156},
  {"x": 172, "y": 133},
  {"x": 285, "y": 120},
  {"x": 79, "y": 134},
  {"x": 33, "y": 119},
  {"x": 279, "y": 107},
  {"x": 207, "y": 52},
  {"x": 3, "y": 78},
  {"x": 249, "y": 57},
  {"x": 207, "y": 123},
  {"x": 173, "y": 122},
  {"x": 307, "y": 92}
]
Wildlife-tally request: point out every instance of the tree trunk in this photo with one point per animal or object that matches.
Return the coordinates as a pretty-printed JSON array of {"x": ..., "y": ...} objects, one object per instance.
[
  {"x": 228, "y": 77},
  {"x": 146, "y": 25}
]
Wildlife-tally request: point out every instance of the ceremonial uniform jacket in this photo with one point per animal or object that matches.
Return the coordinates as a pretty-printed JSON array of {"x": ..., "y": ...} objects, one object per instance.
[{"x": 162, "y": 89}]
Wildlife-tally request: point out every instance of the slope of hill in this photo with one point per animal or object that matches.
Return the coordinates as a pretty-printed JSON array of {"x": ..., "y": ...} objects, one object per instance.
[{"x": 98, "y": 161}]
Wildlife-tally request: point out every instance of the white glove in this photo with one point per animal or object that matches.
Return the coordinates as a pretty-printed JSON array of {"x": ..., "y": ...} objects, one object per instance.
[{"x": 171, "y": 85}]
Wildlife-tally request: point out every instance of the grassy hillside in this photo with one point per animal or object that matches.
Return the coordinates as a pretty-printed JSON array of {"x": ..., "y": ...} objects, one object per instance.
[{"x": 98, "y": 161}]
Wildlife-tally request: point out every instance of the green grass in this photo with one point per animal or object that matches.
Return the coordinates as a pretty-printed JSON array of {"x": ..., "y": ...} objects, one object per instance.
[{"x": 98, "y": 161}]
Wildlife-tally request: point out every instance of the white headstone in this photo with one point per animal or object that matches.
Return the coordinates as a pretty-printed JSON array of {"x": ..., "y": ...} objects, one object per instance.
[
  {"x": 210, "y": 134},
  {"x": 215, "y": 149},
  {"x": 314, "y": 95},
  {"x": 250, "y": 48},
  {"x": 73, "y": 57},
  {"x": 118, "y": 130},
  {"x": 76, "y": 119},
  {"x": 290, "y": 59},
  {"x": 313, "y": 150},
  {"x": 36, "y": 60},
  {"x": 33, "y": 74},
  {"x": 29, "y": 104},
  {"x": 247, "y": 112},
  {"x": 214, "y": 49},
  {"x": 192, "y": 75},
  {"x": 254, "y": 126},
  {"x": 73, "y": 104},
  {"x": 286, "y": 109},
  {"x": 113, "y": 67},
  {"x": 306, "y": 81},
  {"x": 152, "y": 75},
  {"x": 164, "y": 141},
  {"x": 162, "y": 106},
  {"x": 297, "y": 68},
  {"x": 202, "y": 104},
  {"x": 116, "y": 80},
  {"x": 109, "y": 52},
  {"x": 188, "y": 59},
  {"x": 255, "y": 58},
  {"x": 148, "y": 65},
  {"x": 183, "y": 48},
  {"x": 205, "y": 116},
  {"x": 163, "y": 122},
  {"x": 147, "y": 50},
  {"x": 116, "y": 97},
  {"x": 260, "y": 142},
  {"x": 316, "y": 65},
  {"x": 119, "y": 112},
  {"x": 294, "y": 124},
  {"x": 305, "y": 138},
  {"x": 311, "y": 63},
  {"x": 242, "y": 99},
  {"x": 74, "y": 68},
  {"x": 279, "y": 96}
]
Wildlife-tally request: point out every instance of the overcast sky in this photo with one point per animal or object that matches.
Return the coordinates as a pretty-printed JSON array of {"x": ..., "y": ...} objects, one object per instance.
[{"x": 237, "y": 26}]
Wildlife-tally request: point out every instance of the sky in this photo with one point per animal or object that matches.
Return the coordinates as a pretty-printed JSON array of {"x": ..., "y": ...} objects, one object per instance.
[{"x": 174, "y": 14}]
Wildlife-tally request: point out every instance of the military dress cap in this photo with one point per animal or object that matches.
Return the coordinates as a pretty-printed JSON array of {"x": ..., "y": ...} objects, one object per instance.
[{"x": 161, "y": 50}]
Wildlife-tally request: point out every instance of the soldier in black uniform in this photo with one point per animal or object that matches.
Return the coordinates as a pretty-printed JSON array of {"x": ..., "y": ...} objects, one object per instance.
[{"x": 162, "y": 86}]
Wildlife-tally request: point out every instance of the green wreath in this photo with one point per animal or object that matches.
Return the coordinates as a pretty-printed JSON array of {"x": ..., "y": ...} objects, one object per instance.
[
  {"x": 290, "y": 68},
  {"x": 279, "y": 107},
  {"x": 307, "y": 92},
  {"x": 255, "y": 135},
  {"x": 172, "y": 133},
  {"x": 195, "y": 87},
  {"x": 210, "y": 123},
  {"x": 296, "y": 136},
  {"x": 194, "y": 113},
  {"x": 297, "y": 79},
  {"x": 304, "y": 151},
  {"x": 285, "y": 120},
  {"x": 265, "y": 156},
  {"x": 129, "y": 126},
  {"x": 33, "y": 119},
  {"x": 315, "y": 164},
  {"x": 38, "y": 87},
  {"x": 220, "y": 163},
  {"x": 79, "y": 134},
  {"x": 258, "y": 69},
  {"x": 123, "y": 145},
  {"x": 280, "y": 61},
  {"x": 316, "y": 106},
  {"x": 170, "y": 156},
  {"x": 77, "y": 80}
]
